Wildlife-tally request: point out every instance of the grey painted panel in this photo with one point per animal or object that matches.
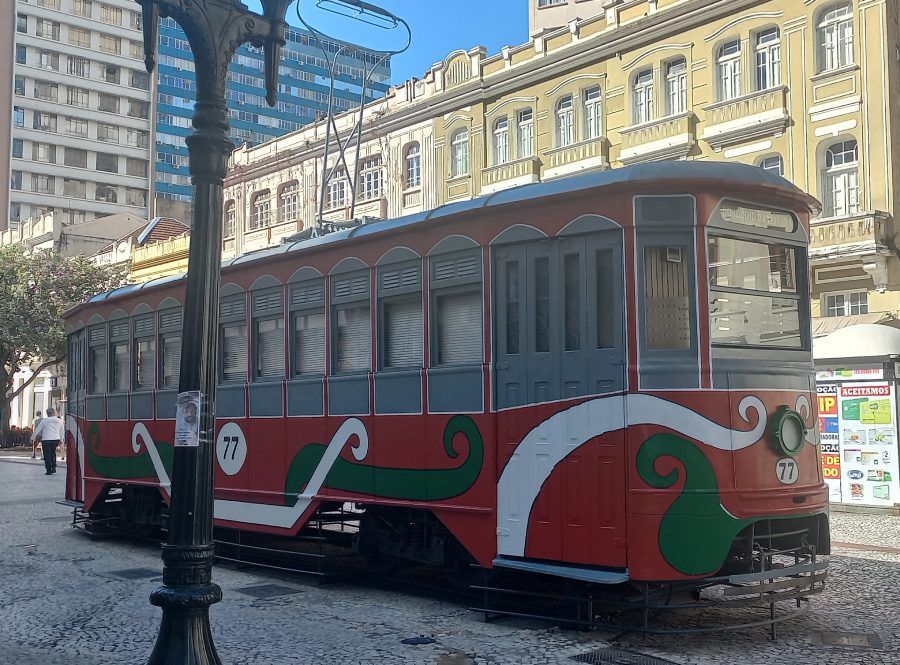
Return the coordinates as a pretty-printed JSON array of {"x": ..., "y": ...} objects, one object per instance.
[
  {"x": 142, "y": 406},
  {"x": 266, "y": 399},
  {"x": 95, "y": 407},
  {"x": 231, "y": 402},
  {"x": 456, "y": 389},
  {"x": 398, "y": 392},
  {"x": 165, "y": 404},
  {"x": 348, "y": 395},
  {"x": 306, "y": 397},
  {"x": 756, "y": 369},
  {"x": 659, "y": 373},
  {"x": 117, "y": 407}
]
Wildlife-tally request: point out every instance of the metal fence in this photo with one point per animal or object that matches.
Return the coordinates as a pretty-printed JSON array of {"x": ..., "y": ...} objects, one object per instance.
[{"x": 16, "y": 439}]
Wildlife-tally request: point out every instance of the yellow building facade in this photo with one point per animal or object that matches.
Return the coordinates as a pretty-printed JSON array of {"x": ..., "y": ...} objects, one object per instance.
[{"x": 808, "y": 88}]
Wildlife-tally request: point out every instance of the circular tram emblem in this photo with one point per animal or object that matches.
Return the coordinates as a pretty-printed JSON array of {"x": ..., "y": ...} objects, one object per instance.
[
  {"x": 787, "y": 471},
  {"x": 231, "y": 448}
]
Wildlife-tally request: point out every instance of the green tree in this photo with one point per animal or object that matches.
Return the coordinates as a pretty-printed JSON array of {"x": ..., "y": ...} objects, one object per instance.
[{"x": 35, "y": 289}]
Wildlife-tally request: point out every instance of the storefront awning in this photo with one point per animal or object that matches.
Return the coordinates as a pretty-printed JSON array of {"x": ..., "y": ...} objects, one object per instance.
[
  {"x": 860, "y": 343},
  {"x": 829, "y": 324}
]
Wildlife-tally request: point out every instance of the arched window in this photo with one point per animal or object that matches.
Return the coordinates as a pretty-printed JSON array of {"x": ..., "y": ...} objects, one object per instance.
[
  {"x": 260, "y": 216},
  {"x": 288, "y": 203},
  {"x": 525, "y": 122},
  {"x": 459, "y": 153},
  {"x": 728, "y": 63},
  {"x": 593, "y": 113},
  {"x": 643, "y": 97},
  {"x": 565, "y": 122},
  {"x": 336, "y": 190},
  {"x": 228, "y": 224},
  {"x": 676, "y": 86},
  {"x": 371, "y": 180},
  {"x": 501, "y": 140},
  {"x": 768, "y": 59},
  {"x": 773, "y": 164},
  {"x": 834, "y": 33},
  {"x": 840, "y": 179},
  {"x": 413, "y": 166}
]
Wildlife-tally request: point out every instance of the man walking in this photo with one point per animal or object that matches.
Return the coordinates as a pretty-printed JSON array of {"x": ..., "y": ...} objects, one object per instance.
[{"x": 51, "y": 430}]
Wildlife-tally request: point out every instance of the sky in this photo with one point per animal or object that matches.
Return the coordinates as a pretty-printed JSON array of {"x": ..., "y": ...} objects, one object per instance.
[{"x": 438, "y": 28}]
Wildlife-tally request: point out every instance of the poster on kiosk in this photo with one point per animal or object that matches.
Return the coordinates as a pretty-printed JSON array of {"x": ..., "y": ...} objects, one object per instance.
[
  {"x": 830, "y": 439},
  {"x": 868, "y": 452}
]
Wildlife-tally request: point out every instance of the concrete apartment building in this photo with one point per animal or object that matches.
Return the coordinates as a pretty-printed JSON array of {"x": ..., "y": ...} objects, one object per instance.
[
  {"x": 807, "y": 88},
  {"x": 81, "y": 111}
]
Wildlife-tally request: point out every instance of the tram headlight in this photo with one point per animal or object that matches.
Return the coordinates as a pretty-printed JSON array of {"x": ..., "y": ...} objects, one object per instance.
[{"x": 788, "y": 431}]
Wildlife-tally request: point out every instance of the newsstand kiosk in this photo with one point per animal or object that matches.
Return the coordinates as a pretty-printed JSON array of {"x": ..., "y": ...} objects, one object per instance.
[{"x": 857, "y": 370}]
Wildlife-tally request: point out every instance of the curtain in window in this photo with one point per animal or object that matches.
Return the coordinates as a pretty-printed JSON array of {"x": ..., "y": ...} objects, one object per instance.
[
  {"x": 309, "y": 344},
  {"x": 120, "y": 367},
  {"x": 403, "y": 334},
  {"x": 459, "y": 328},
  {"x": 234, "y": 353},
  {"x": 145, "y": 364},
  {"x": 98, "y": 369},
  {"x": 270, "y": 348},
  {"x": 354, "y": 340},
  {"x": 171, "y": 361}
]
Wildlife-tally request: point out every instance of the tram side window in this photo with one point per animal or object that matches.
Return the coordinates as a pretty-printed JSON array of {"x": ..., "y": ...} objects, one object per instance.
[
  {"x": 352, "y": 323},
  {"x": 457, "y": 336},
  {"x": 309, "y": 348},
  {"x": 606, "y": 299},
  {"x": 268, "y": 321},
  {"x": 144, "y": 354},
  {"x": 513, "y": 308},
  {"x": 97, "y": 359},
  {"x": 120, "y": 378},
  {"x": 170, "y": 345},
  {"x": 233, "y": 339},
  {"x": 400, "y": 298},
  {"x": 754, "y": 297},
  {"x": 667, "y": 297}
]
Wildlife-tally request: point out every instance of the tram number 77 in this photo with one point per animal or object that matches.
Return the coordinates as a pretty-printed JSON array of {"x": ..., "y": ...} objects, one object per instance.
[
  {"x": 228, "y": 441},
  {"x": 787, "y": 471}
]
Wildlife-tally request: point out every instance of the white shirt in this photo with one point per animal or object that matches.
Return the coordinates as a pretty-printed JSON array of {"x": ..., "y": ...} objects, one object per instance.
[{"x": 50, "y": 429}]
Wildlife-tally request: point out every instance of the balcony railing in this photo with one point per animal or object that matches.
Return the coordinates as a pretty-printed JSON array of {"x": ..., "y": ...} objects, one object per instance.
[
  {"x": 512, "y": 174},
  {"x": 757, "y": 115},
  {"x": 270, "y": 235},
  {"x": 582, "y": 156},
  {"x": 671, "y": 137},
  {"x": 862, "y": 233}
]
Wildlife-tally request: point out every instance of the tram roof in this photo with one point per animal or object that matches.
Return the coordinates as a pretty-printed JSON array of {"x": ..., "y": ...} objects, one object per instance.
[{"x": 678, "y": 170}]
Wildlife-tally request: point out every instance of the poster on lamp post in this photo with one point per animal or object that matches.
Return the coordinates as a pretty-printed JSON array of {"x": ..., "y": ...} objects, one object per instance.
[
  {"x": 868, "y": 444},
  {"x": 830, "y": 439}
]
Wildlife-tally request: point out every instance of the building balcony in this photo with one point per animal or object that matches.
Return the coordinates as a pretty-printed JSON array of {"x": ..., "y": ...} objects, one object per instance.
[
  {"x": 269, "y": 235},
  {"x": 512, "y": 174},
  {"x": 861, "y": 234},
  {"x": 671, "y": 137},
  {"x": 590, "y": 155},
  {"x": 376, "y": 208},
  {"x": 412, "y": 198},
  {"x": 757, "y": 115}
]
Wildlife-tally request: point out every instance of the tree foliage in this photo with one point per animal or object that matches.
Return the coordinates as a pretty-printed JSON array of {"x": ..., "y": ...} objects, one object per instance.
[{"x": 35, "y": 289}]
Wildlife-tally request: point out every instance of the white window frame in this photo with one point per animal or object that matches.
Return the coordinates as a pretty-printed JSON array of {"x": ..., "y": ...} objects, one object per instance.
[
  {"x": 228, "y": 227},
  {"x": 413, "y": 166},
  {"x": 840, "y": 182},
  {"x": 459, "y": 153},
  {"x": 593, "y": 113},
  {"x": 676, "y": 86},
  {"x": 834, "y": 36},
  {"x": 525, "y": 131},
  {"x": 768, "y": 164},
  {"x": 501, "y": 140},
  {"x": 288, "y": 202},
  {"x": 565, "y": 121},
  {"x": 846, "y": 306},
  {"x": 261, "y": 210},
  {"x": 768, "y": 59},
  {"x": 337, "y": 190},
  {"x": 371, "y": 178},
  {"x": 642, "y": 94},
  {"x": 728, "y": 70}
]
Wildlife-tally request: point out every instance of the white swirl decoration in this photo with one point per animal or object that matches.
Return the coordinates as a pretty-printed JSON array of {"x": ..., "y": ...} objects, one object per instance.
[{"x": 140, "y": 431}]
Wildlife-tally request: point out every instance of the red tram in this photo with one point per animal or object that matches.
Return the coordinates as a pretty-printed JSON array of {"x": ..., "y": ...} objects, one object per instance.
[{"x": 606, "y": 378}]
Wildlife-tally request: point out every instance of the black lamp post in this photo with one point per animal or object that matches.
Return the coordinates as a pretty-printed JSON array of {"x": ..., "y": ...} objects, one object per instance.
[{"x": 215, "y": 30}]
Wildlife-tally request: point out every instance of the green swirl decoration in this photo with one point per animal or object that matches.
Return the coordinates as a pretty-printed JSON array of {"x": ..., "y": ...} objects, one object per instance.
[
  {"x": 697, "y": 532},
  {"x": 126, "y": 467},
  {"x": 390, "y": 483}
]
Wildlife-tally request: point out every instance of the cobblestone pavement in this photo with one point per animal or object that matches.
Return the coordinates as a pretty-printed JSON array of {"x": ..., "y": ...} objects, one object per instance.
[{"x": 61, "y": 602}]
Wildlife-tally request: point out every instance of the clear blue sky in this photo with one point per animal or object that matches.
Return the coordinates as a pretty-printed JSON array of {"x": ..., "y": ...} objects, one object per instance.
[{"x": 438, "y": 27}]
